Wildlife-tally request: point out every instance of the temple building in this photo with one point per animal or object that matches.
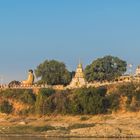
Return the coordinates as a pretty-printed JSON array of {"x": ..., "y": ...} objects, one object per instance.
[
  {"x": 129, "y": 78},
  {"x": 79, "y": 78}
]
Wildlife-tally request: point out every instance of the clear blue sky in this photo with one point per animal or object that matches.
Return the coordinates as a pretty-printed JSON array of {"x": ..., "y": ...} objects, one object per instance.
[{"x": 34, "y": 30}]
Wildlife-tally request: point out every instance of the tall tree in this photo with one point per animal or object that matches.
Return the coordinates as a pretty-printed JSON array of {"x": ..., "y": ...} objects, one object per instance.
[
  {"x": 53, "y": 73},
  {"x": 106, "y": 68}
]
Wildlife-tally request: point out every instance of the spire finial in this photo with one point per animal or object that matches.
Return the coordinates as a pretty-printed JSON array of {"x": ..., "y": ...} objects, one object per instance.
[{"x": 79, "y": 61}]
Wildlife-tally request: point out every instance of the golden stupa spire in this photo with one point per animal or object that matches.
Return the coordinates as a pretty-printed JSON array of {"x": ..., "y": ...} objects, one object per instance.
[{"x": 80, "y": 63}]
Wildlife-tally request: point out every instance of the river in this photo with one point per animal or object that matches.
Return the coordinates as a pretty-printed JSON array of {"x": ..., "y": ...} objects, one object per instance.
[{"x": 42, "y": 138}]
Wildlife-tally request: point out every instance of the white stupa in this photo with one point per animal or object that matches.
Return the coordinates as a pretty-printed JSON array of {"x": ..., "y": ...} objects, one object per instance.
[{"x": 79, "y": 78}]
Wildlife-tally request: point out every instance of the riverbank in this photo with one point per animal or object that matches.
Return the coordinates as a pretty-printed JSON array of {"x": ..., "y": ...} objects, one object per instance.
[{"x": 114, "y": 125}]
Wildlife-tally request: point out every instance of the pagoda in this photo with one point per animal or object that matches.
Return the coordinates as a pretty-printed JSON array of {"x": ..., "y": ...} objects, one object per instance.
[{"x": 79, "y": 78}]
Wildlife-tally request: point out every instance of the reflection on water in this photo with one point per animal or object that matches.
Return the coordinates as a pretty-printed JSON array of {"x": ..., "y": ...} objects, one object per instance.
[{"x": 42, "y": 138}]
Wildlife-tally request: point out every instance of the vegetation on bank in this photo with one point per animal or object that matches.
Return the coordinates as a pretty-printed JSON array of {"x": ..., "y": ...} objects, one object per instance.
[{"x": 75, "y": 102}]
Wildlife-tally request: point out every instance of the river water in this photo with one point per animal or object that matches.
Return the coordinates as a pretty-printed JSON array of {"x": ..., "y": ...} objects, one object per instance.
[{"x": 42, "y": 138}]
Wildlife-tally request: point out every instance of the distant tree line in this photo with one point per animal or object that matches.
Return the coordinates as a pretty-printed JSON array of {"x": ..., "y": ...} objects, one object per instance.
[{"x": 55, "y": 73}]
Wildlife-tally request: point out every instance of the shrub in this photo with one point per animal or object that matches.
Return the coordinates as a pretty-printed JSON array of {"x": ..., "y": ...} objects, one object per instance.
[
  {"x": 114, "y": 102},
  {"x": 14, "y": 83},
  {"x": 57, "y": 103},
  {"x": 26, "y": 112},
  {"x": 89, "y": 101},
  {"x": 41, "y": 99},
  {"x": 78, "y": 125},
  {"x": 46, "y": 91},
  {"x": 43, "y": 128},
  {"x": 84, "y": 118},
  {"x": 52, "y": 103},
  {"x": 131, "y": 92},
  {"x": 6, "y": 107},
  {"x": 28, "y": 97},
  {"x": 127, "y": 89},
  {"x": 23, "y": 95}
]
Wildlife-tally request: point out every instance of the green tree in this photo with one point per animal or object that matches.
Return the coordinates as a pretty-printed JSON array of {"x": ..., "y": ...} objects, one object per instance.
[
  {"x": 53, "y": 73},
  {"x": 106, "y": 68}
]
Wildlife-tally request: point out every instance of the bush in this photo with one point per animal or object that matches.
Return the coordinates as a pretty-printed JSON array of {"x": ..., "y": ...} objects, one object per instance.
[
  {"x": 78, "y": 125},
  {"x": 84, "y": 118},
  {"x": 28, "y": 97},
  {"x": 48, "y": 102},
  {"x": 14, "y": 83},
  {"x": 130, "y": 92},
  {"x": 41, "y": 100},
  {"x": 23, "y": 95},
  {"x": 89, "y": 101},
  {"x": 26, "y": 112},
  {"x": 57, "y": 103},
  {"x": 6, "y": 107},
  {"x": 46, "y": 91},
  {"x": 43, "y": 128},
  {"x": 114, "y": 102}
]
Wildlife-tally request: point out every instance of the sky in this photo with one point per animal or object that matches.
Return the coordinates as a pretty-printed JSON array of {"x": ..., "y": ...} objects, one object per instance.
[{"x": 32, "y": 31}]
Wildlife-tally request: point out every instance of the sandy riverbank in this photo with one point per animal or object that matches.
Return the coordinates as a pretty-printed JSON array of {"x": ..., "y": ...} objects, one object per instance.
[{"x": 115, "y": 125}]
